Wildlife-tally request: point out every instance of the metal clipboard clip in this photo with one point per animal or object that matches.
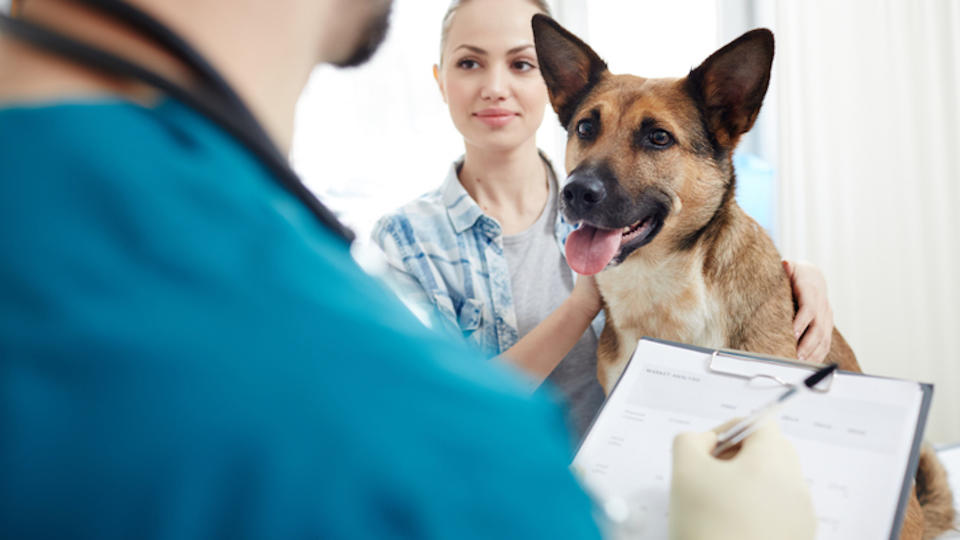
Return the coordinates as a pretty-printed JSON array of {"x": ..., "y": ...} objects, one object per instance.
[{"x": 757, "y": 371}]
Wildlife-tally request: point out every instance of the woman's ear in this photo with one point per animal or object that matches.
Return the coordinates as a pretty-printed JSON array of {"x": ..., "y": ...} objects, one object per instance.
[{"x": 436, "y": 77}]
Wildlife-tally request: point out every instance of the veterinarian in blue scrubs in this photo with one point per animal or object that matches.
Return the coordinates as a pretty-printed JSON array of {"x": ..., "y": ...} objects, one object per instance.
[{"x": 187, "y": 349}]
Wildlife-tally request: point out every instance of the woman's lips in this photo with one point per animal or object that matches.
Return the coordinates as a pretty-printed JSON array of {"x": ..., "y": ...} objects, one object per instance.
[{"x": 495, "y": 117}]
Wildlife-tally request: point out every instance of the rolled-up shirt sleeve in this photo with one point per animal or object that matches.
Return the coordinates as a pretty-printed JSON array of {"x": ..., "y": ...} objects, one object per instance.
[{"x": 399, "y": 252}]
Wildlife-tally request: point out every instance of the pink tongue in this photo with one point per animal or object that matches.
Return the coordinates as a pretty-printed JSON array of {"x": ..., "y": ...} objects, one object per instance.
[{"x": 589, "y": 249}]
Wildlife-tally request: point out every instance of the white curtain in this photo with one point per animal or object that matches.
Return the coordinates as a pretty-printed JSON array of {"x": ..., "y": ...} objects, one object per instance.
[{"x": 868, "y": 96}]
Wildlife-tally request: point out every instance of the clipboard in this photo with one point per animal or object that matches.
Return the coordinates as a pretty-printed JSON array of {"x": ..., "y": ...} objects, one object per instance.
[
  {"x": 858, "y": 436},
  {"x": 734, "y": 364}
]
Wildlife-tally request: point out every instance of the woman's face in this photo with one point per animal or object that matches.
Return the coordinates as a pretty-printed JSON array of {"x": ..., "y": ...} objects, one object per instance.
[{"x": 490, "y": 79}]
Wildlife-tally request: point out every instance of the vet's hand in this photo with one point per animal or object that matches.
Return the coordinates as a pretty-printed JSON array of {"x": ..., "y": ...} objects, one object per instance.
[
  {"x": 813, "y": 325},
  {"x": 757, "y": 494},
  {"x": 586, "y": 295}
]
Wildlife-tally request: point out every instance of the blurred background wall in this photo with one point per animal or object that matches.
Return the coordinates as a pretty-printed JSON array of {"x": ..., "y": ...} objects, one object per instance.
[{"x": 854, "y": 163}]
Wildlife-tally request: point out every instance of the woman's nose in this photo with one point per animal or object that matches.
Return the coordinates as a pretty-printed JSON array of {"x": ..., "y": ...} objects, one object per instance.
[{"x": 494, "y": 85}]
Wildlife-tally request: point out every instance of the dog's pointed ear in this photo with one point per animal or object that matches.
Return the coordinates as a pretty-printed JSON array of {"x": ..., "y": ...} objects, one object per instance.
[
  {"x": 569, "y": 66},
  {"x": 729, "y": 85}
]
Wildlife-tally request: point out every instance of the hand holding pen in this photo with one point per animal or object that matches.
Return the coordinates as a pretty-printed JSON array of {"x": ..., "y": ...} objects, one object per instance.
[{"x": 736, "y": 433}]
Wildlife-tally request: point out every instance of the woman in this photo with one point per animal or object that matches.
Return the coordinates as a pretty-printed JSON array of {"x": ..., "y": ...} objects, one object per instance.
[{"x": 486, "y": 248}]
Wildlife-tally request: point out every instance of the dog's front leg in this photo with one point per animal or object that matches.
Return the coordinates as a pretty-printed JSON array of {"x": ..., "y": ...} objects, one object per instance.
[{"x": 610, "y": 359}]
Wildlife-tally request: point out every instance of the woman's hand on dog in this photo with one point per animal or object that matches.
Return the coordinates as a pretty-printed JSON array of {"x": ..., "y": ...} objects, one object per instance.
[{"x": 813, "y": 325}]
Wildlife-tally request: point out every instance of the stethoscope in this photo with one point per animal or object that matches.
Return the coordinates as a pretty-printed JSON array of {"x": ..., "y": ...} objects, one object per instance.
[{"x": 215, "y": 99}]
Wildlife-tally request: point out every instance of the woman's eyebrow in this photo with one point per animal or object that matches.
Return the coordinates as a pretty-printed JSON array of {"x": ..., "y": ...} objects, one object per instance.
[
  {"x": 471, "y": 48},
  {"x": 520, "y": 48},
  {"x": 478, "y": 50}
]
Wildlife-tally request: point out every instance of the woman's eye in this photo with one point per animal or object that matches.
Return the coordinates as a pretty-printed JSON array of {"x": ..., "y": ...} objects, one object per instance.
[
  {"x": 586, "y": 130},
  {"x": 659, "y": 137},
  {"x": 523, "y": 65},
  {"x": 466, "y": 63}
]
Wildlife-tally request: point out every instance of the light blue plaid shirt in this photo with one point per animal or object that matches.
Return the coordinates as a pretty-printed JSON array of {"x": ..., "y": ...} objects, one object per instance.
[{"x": 444, "y": 252}]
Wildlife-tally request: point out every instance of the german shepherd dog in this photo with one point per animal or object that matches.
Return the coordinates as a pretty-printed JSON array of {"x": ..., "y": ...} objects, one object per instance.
[{"x": 651, "y": 185}]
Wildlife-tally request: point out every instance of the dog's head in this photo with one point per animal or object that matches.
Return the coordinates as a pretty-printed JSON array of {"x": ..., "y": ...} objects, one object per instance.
[{"x": 647, "y": 158}]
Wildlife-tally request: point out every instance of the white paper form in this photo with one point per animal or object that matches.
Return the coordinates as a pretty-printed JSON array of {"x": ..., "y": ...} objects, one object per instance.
[{"x": 854, "y": 441}]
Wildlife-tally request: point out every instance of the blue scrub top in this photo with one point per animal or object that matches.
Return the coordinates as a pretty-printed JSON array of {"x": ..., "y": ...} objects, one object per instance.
[{"x": 186, "y": 353}]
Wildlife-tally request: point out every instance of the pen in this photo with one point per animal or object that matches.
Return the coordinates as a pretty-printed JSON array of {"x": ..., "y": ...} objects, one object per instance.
[{"x": 742, "y": 429}]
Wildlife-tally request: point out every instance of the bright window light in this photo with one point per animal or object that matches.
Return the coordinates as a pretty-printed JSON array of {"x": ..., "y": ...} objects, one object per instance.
[{"x": 652, "y": 38}]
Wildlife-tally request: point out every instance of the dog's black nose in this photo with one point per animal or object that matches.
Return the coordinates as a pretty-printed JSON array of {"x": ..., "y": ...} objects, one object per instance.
[{"x": 583, "y": 192}]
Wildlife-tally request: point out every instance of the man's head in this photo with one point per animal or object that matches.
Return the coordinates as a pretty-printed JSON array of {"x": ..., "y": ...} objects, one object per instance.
[{"x": 354, "y": 30}]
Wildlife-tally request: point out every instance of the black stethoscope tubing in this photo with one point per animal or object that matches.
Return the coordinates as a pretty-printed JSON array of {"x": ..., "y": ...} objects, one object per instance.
[{"x": 216, "y": 100}]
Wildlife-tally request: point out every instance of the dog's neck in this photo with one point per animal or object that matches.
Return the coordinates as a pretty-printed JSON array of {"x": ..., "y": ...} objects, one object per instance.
[
  {"x": 663, "y": 296},
  {"x": 670, "y": 292}
]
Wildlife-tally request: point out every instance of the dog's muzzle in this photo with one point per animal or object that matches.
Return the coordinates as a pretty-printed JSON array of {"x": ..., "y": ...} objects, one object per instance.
[{"x": 613, "y": 223}]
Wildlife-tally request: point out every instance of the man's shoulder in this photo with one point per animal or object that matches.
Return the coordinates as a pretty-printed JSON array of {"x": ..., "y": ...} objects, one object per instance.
[
  {"x": 118, "y": 168},
  {"x": 112, "y": 134}
]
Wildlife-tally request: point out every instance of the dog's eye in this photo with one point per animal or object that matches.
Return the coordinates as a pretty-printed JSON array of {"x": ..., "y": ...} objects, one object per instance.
[
  {"x": 660, "y": 138},
  {"x": 586, "y": 130}
]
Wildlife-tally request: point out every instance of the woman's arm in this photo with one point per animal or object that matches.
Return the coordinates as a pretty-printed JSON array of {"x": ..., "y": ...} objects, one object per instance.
[
  {"x": 539, "y": 352},
  {"x": 813, "y": 325}
]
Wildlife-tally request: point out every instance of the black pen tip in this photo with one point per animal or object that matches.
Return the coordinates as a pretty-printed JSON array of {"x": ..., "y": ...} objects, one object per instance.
[{"x": 820, "y": 375}]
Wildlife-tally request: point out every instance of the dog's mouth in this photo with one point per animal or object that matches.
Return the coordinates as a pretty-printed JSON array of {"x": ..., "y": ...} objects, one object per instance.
[{"x": 590, "y": 249}]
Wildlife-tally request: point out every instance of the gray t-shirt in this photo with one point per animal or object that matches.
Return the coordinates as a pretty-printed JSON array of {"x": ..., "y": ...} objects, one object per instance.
[{"x": 541, "y": 281}]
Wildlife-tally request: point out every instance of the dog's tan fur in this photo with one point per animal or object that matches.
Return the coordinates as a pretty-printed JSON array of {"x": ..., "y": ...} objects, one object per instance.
[{"x": 711, "y": 276}]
